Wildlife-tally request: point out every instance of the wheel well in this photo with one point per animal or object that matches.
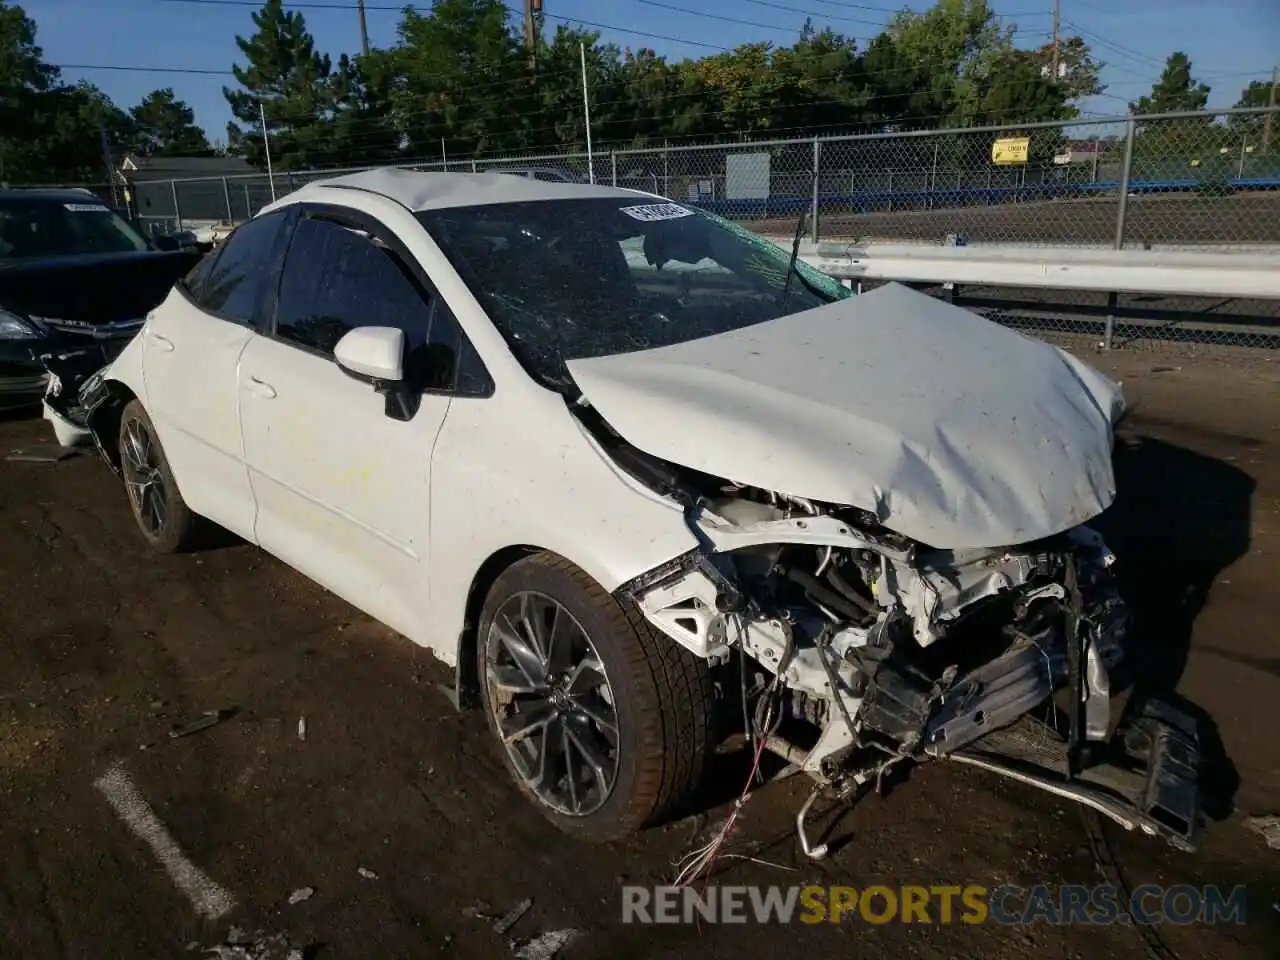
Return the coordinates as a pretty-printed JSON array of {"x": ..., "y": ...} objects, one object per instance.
[
  {"x": 466, "y": 681},
  {"x": 104, "y": 421}
]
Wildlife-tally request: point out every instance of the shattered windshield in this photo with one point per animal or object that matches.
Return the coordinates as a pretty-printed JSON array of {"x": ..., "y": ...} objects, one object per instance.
[
  {"x": 569, "y": 279},
  {"x": 39, "y": 227}
]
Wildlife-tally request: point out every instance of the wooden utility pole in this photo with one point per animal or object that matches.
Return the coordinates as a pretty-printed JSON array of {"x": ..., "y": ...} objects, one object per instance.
[
  {"x": 1266, "y": 125},
  {"x": 364, "y": 29},
  {"x": 1057, "y": 21},
  {"x": 532, "y": 8}
]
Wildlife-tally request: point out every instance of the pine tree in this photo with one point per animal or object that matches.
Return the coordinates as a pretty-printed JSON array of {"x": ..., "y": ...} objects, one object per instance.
[
  {"x": 292, "y": 84},
  {"x": 1175, "y": 91},
  {"x": 166, "y": 127}
]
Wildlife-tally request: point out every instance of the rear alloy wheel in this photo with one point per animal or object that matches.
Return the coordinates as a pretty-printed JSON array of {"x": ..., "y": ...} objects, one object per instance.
[
  {"x": 161, "y": 513},
  {"x": 604, "y": 724}
]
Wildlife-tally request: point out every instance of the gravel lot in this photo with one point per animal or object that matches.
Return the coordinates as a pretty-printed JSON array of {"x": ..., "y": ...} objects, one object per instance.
[{"x": 104, "y": 646}]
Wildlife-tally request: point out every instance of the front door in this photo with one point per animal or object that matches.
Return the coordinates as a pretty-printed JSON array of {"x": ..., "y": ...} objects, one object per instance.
[{"x": 342, "y": 487}]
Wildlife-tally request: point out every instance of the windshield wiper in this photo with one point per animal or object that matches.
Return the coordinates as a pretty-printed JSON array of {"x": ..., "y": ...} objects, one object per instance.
[{"x": 795, "y": 255}]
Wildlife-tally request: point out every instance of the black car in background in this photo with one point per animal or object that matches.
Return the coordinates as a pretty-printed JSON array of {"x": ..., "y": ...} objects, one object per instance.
[{"x": 75, "y": 277}]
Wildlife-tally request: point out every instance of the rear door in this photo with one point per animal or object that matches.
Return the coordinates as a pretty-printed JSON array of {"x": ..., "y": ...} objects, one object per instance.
[{"x": 191, "y": 354}]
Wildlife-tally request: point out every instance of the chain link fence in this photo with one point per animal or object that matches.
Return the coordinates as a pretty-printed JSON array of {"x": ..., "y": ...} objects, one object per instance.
[{"x": 1178, "y": 181}]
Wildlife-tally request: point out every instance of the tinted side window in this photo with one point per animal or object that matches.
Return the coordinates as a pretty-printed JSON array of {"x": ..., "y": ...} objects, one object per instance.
[
  {"x": 336, "y": 279},
  {"x": 232, "y": 286},
  {"x": 445, "y": 360},
  {"x": 194, "y": 281}
]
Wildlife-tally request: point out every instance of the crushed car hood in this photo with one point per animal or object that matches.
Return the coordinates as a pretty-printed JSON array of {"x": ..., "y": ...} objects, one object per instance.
[{"x": 953, "y": 430}]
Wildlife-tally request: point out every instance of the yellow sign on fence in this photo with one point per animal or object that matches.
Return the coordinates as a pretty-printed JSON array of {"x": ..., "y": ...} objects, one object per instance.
[{"x": 1010, "y": 150}]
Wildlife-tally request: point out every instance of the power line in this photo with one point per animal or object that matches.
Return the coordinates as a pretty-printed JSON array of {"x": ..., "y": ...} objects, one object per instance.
[
  {"x": 298, "y": 4},
  {"x": 132, "y": 69},
  {"x": 813, "y": 13},
  {"x": 1135, "y": 55},
  {"x": 748, "y": 23}
]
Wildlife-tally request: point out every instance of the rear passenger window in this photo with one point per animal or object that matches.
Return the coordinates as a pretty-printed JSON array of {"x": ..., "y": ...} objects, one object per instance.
[
  {"x": 246, "y": 267},
  {"x": 194, "y": 281}
]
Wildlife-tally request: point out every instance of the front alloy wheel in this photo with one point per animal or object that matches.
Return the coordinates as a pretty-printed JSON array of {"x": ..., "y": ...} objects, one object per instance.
[
  {"x": 603, "y": 723},
  {"x": 552, "y": 703}
]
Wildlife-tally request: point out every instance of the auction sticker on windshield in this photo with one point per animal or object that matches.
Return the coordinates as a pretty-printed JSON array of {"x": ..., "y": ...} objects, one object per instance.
[
  {"x": 85, "y": 207},
  {"x": 657, "y": 211}
]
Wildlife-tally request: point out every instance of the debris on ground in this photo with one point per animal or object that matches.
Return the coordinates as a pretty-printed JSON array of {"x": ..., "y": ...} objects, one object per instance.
[
  {"x": 477, "y": 911},
  {"x": 547, "y": 945},
  {"x": 302, "y": 729},
  {"x": 366, "y": 873},
  {"x": 1267, "y": 827},
  {"x": 43, "y": 453},
  {"x": 210, "y": 718},
  {"x": 239, "y": 944},
  {"x": 302, "y": 893},
  {"x": 512, "y": 916}
]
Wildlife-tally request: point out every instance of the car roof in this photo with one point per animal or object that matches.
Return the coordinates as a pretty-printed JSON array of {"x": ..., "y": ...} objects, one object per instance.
[
  {"x": 56, "y": 194},
  {"x": 435, "y": 191}
]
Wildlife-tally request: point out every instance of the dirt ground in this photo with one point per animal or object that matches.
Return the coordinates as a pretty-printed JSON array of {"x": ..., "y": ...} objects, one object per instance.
[{"x": 104, "y": 646}]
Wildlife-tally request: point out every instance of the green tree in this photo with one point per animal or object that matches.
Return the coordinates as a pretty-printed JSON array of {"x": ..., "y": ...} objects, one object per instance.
[
  {"x": 819, "y": 75},
  {"x": 1188, "y": 147},
  {"x": 166, "y": 127},
  {"x": 79, "y": 119},
  {"x": 955, "y": 49},
  {"x": 650, "y": 97},
  {"x": 25, "y": 81},
  {"x": 363, "y": 128},
  {"x": 292, "y": 85},
  {"x": 1079, "y": 73},
  {"x": 1257, "y": 94},
  {"x": 459, "y": 72},
  {"x": 1175, "y": 91}
]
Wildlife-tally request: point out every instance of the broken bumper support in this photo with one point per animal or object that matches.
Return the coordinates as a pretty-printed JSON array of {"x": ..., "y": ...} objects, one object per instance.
[{"x": 1144, "y": 779}]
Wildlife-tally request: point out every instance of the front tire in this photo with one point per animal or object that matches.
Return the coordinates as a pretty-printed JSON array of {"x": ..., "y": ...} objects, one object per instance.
[
  {"x": 162, "y": 515},
  {"x": 604, "y": 724}
]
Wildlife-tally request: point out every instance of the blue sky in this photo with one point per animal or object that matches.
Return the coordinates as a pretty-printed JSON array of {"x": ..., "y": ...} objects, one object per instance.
[{"x": 1236, "y": 42}]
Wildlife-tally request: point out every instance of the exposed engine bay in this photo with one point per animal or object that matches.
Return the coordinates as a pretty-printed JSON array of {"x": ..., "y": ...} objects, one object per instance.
[{"x": 855, "y": 649}]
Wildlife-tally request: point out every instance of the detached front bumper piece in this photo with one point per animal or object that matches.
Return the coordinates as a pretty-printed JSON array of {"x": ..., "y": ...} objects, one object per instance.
[{"x": 1144, "y": 778}]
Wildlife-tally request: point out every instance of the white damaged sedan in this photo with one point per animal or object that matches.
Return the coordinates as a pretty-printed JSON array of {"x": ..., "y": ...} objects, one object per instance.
[{"x": 647, "y": 482}]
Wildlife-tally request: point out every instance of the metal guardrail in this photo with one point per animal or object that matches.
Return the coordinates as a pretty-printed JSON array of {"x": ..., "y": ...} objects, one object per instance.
[
  {"x": 1130, "y": 295},
  {"x": 1239, "y": 276}
]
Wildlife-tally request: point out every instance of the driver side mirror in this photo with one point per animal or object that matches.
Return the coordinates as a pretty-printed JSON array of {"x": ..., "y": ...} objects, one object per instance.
[{"x": 372, "y": 353}]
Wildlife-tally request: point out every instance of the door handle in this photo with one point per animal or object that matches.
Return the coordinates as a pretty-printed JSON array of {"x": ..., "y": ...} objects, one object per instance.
[
  {"x": 260, "y": 388},
  {"x": 164, "y": 343}
]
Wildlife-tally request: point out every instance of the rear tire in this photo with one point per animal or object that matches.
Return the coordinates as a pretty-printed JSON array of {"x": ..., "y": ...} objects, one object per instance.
[
  {"x": 163, "y": 517},
  {"x": 608, "y": 724}
]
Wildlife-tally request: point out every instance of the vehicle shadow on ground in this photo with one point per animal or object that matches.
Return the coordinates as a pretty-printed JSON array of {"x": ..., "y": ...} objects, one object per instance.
[
  {"x": 16, "y": 414},
  {"x": 1180, "y": 518}
]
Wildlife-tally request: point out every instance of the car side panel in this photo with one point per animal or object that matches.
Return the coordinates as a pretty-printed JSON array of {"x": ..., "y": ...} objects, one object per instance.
[
  {"x": 126, "y": 368},
  {"x": 341, "y": 488},
  {"x": 515, "y": 468},
  {"x": 521, "y": 470},
  {"x": 191, "y": 368}
]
